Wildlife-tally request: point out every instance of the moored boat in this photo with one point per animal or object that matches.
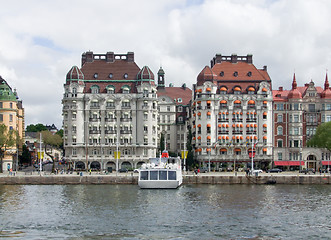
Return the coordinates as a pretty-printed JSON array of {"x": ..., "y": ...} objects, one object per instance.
[{"x": 163, "y": 172}]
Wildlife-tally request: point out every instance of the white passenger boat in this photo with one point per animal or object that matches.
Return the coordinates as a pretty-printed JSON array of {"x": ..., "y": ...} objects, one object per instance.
[{"x": 163, "y": 172}]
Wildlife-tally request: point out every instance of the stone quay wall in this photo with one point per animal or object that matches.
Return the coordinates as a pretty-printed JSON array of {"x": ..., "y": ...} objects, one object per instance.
[{"x": 188, "y": 179}]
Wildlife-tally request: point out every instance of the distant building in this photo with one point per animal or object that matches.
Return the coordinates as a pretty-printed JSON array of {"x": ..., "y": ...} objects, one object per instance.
[
  {"x": 12, "y": 115},
  {"x": 109, "y": 106},
  {"x": 297, "y": 114},
  {"x": 52, "y": 128},
  {"x": 173, "y": 109},
  {"x": 232, "y": 114}
]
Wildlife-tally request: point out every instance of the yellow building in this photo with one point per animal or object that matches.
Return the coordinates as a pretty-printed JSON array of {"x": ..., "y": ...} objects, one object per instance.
[{"x": 12, "y": 115}]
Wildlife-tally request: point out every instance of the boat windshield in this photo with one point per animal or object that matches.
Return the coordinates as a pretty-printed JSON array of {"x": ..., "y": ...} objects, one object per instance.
[
  {"x": 153, "y": 175},
  {"x": 172, "y": 175},
  {"x": 162, "y": 175},
  {"x": 143, "y": 175}
]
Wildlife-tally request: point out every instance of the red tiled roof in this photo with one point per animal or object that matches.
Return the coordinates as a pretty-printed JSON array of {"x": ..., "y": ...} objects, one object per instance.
[
  {"x": 242, "y": 68},
  {"x": 177, "y": 92},
  {"x": 117, "y": 68}
]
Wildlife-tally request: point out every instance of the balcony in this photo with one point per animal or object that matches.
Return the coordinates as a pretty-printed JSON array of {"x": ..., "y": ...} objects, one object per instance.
[
  {"x": 237, "y": 132},
  {"x": 126, "y": 131},
  {"x": 110, "y": 119},
  {"x": 110, "y": 131},
  {"x": 223, "y": 120},
  {"x": 250, "y": 132},
  {"x": 224, "y": 132},
  {"x": 250, "y": 120},
  {"x": 126, "y": 119},
  {"x": 94, "y": 119},
  {"x": 95, "y": 132}
]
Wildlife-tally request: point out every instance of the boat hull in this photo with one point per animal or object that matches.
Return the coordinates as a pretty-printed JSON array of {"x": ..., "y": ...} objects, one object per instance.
[{"x": 159, "y": 184}]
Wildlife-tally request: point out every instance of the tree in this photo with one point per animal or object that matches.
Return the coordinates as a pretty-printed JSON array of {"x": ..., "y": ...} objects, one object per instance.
[
  {"x": 162, "y": 143},
  {"x": 51, "y": 141},
  {"x": 36, "y": 128},
  {"x": 322, "y": 138},
  {"x": 7, "y": 140}
]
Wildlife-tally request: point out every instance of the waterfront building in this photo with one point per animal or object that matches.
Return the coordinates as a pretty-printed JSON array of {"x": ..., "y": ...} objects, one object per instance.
[
  {"x": 173, "y": 113},
  {"x": 232, "y": 114},
  {"x": 109, "y": 113},
  {"x": 297, "y": 114},
  {"x": 12, "y": 115}
]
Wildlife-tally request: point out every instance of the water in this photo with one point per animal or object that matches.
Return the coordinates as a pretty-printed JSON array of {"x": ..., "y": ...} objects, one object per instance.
[{"x": 191, "y": 212}]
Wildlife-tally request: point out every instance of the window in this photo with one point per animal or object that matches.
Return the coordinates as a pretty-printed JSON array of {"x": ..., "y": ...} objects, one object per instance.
[
  {"x": 180, "y": 109},
  {"x": 1, "y": 118},
  {"x": 295, "y": 131},
  {"x": 311, "y": 107},
  {"x": 280, "y": 156},
  {"x": 280, "y": 106},
  {"x": 94, "y": 89},
  {"x": 1, "y": 106},
  {"x": 296, "y": 143},
  {"x": 280, "y": 130},
  {"x": 11, "y": 105},
  {"x": 10, "y": 118},
  {"x": 296, "y": 106},
  {"x": 74, "y": 152},
  {"x": 168, "y": 108},
  {"x": 74, "y": 90},
  {"x": 179, "y": 100},
  {"x": 279, "y": 118},
  {"x": 328, "y": 118},
  {"x": 280, "y": 143},
  {"x": 296, "y": 118},
  {"x": 74, "y": 115}
]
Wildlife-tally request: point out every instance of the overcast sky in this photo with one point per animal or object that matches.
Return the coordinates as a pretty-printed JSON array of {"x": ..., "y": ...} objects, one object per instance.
[{"x": 41, "y": 40}]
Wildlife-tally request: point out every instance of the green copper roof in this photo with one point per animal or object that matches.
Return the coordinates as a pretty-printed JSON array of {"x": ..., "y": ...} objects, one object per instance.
[{"x": 6, "y": 93}]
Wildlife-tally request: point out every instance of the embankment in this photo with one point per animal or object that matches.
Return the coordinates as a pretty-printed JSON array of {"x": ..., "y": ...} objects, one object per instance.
[{"x": 188, "y": 179}]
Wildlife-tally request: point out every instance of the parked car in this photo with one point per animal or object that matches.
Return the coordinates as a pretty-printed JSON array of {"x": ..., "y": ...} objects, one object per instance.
[
  {"x": 136, "y": 170},
  {"x": 275, "y": 170},
  {"x": 123, "y": 170},
  {"x": 203, "y": 170},
  {"x": 257, "y": 171}
]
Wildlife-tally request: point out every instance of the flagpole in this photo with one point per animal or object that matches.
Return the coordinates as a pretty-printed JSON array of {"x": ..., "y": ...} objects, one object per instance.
[{"x": 40, "y": 167}]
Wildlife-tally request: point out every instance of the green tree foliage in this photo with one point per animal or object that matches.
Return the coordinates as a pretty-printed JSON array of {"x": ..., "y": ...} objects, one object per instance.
[
  {"x": 36, "y": 128},
  {"x": 7, "y": 140},
  {"x": 26, "y": 155},
  {"x": 322, "y": 138},
  {"x": 51, "y": 141}
]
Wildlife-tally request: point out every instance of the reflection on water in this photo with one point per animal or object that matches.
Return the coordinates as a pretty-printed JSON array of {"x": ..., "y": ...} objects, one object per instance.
[{"x": 191, "y": 212}]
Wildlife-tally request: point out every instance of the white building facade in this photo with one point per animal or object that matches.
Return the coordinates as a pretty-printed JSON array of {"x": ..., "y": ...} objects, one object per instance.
[{"x": 109, "y": 106}]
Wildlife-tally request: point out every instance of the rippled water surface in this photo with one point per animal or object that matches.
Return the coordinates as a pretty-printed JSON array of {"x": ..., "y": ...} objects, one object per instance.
[{"x": 190, "y": 212}]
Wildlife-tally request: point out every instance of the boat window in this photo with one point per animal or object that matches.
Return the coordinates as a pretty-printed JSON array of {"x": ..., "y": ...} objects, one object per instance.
[
  {"x": 153, "y": 175},
  {"x": 172, "y": 175},
  {"x": 143, "y": 175},
  {"x": 162, "y": 175}
]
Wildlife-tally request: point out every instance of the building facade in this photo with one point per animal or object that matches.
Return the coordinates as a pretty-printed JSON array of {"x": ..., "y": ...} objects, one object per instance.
[
  {"x": 173, "y": 113},
  {"x": 232, "y": 114},
  {"x": 109, "y": 113},
  {"x": 297, "y": 113},
  {"x": 12, "y": 115}
]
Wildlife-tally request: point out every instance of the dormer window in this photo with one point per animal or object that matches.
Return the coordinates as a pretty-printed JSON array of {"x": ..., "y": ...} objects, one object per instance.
[
  {"x": 110, "y": 75},
  {"x": 222, "y": 74},
  {"x": 249, "y": 74},
  {"x": 179, "y": 100},
  {"x": 235, "y": 74},
  {"x": 95, "y": 75},
  {"x": 126, "y": 75}
]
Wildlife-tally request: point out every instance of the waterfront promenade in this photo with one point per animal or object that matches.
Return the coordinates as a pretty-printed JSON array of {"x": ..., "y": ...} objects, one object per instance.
[{"x": 188, "y": 178}]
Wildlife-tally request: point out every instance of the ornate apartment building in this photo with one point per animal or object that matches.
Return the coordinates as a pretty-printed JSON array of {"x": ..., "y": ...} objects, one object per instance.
[
  {"x": 232, "y": 113},
  {"x": 12, "y": 115},
  {"x": 297, "y": 114},
  {"x": 109, "y": 106},
  {"x": 173, "y": 109}
]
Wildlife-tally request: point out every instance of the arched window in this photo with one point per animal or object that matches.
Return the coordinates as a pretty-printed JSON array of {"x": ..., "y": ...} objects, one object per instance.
[
  {"x": 110, "y": 89},
  {"x": 279, "y": 130},
  {"x": 95, "y": 89}
]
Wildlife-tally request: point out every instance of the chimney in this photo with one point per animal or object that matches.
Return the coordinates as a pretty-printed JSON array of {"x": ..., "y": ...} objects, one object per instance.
[
  {"x": 234, "y": 58},
  {"x": 218, "y": 58},
  {"x": 87, "y": 57},
  {"x": 306, "y": 84},
  {"x": 110, "y": 57},
  {"x": 280, "y": 89},
  {"x": 130, "y": 57},
  {"x": 265, "y": 68},
  {"x": 249, "y": 58}
]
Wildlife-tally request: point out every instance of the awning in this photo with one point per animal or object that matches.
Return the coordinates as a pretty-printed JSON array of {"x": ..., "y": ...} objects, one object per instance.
[
  {"x": 223, "y": 150},
  {"x": 237, "y": 89},
  {"x": 264, "y": 90},
  {"x": 208, "y": 89},
  {"x": 208, "y": 102},
  {"x": 208, "y": 137},
  {"x": 289, "y": 163},
  {"x": 208, "y": 125},
  {"x": 237, "y": 101},
  {"x": 251, "y": 89},
  {"x": 251, "y": 102},
  {"x": 326, "y": 163},
  {"x": 223, "y": 101},
  {"x": 223, "y": 89}
]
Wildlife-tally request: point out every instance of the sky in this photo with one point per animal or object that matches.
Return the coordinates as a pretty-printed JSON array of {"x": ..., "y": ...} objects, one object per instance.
[{"x": 40, "y": 40}]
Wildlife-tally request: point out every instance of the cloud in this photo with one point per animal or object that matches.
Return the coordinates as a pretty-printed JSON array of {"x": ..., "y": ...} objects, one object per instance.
[{"x": 41, "y": 40}]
